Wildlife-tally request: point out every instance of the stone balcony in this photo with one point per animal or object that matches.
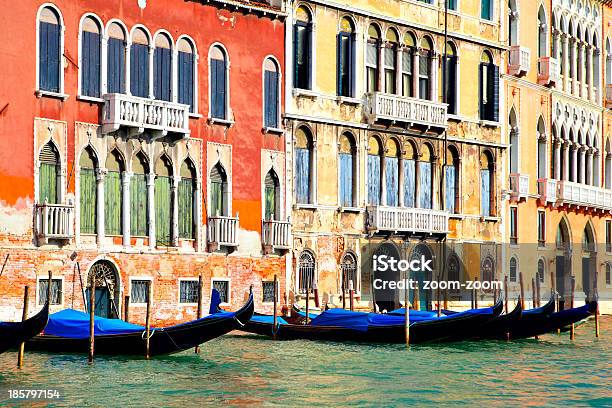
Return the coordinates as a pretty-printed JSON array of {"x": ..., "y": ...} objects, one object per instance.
[
  {"x": 276, "y": 235},
  {"x": 405, "y": 110},
  {"x": 520, "y": 60},
  {"x": 583, "y": 195},
  {"x": 139, "y": 115},
  {"x": 519, "y": 186},
  {"x": 549, "y": 71},
  {"x": 547, "y": 190},
  {"x": 54, "y": 222},
  {"x": 222, "y": 232},
  {"x": 406, "y": 220}
]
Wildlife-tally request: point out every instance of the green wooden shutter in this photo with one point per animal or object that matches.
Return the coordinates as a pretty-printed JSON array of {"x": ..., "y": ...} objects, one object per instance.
[
  {"x": 112, "y": 203},
  {"x": 163, "y": 210},
  {"x": 48, "y": 183},
  {"x": 186, "y": 204},
  {"x": 87, "y": 201},
  {"x": 270, "y": 202},
  {"x": 216, "y": 198},
  {"x": 138, "y": 205}
]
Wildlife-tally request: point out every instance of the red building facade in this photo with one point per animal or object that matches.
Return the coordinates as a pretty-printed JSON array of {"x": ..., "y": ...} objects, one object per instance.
[{"x": 140, "y": 143}]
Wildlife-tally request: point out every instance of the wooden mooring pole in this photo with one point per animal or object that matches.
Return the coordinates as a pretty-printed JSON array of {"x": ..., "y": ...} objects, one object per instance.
[
  {"x": 275, "y": 322},
  {"x": 573, "y": 288},
  {"x": 597, "y": 306},
  {"x": 352, "y": 296},
  {"x": 533, "y": 296},
  {"x": 553, "y": 290},
  {"x": 307, "y": 296},
  {"x": 199, "y": 312},
  {"x": 343, "y": 297},
  {"x": 92, "y": 309},
  {"x": 506, "y": 293},
  {"x": 522, "y": 290},
  {"x": 126, "y": 308},
  {"x": 407, "y": 311},
  {"x": 148, "y": 326},
  {"x": 538, "y": 291},
  {"x": 416, "y": 301},
  {"x": 24, "y": 317},
  {"x": 315, "y": 292}
]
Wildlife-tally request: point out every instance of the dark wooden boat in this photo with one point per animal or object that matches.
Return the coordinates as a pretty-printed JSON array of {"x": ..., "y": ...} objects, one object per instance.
[
  {"x": 501, "y": 325},
  {"x": 531, "y": 326},
  {"x": 450, "y": 328},
  {"x": 166, "y": 340},
  {"x": 13, "y": 334}
]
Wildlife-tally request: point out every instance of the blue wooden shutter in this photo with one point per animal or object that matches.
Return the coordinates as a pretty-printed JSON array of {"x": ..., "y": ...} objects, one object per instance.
[
  {"x": 116, "y": 66},
  {"x": 218, "y": 88},
  {"x": 302, "y": 175},
  {"x": 90, "y": 69},
  {"x": 485, "y": 192},
  {"x": 494, "y": 84},
  {"x": 450, "y": 189},
  {"x": 139, "y": 70},
  {"x": 162, "y": 73},
  {"x": 425, "y": 185},
  {"x": 271, "y": 99},
  {"x": 49, "y": 57},
  {"x": 346, "y": 180},
  {"x": 373, "y": 179},
  {"x": 185, "y": 79},
  {"x": 391, "y": 181},
  {"x": 409, "y": 183}
]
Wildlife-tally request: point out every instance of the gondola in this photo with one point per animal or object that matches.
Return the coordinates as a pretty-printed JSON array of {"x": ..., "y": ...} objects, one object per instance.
[
  {"x": 345, "y": 326},
  {"x": 12, "y": 334},
  {"x": 121, "y": 338}
]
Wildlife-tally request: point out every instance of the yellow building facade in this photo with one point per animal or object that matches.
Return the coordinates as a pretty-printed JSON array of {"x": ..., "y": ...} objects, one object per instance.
[
  {"x": 385, "y": 155},
  {"x": 558, "y": 202}
]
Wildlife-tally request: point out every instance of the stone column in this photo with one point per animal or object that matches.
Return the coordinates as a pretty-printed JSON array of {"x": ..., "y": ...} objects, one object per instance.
[
  {"x": 383, "y": 176},
  {"x": 557, "y": 168},
  {"x": 589, "y": 167},
  {"x": 415, "y": 73},
  {"x": 174, "y": 194},
  {"x": 566, "y": 169},
  {"x": 104, "y": 66},
  {"x": 128, "y": 50},
  {"x": 590, "y": 78},
  {"x": 151, "y": 208},
  {"x": 582, "y": 67},
  {"x": 381, "y": 67},
  {"x": 574, "y": 169},
  {"x": 400, "y": 179},
  {"x": 433, "y": 80},
  {"x": 198, "y": 218},
  {"x": 174, "y": 77},
  {"x": 581, "y": 170},
  {"x": 151, "y": 79},
  {"x": 100, "y": 174},
  {"x": 565, "y": 63},
  {"x": 574, "y": 66},
  {"x": 125, "y": 202}
]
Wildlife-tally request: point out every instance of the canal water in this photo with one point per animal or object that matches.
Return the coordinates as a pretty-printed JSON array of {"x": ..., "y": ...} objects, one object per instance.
[{"x": 244, "y": 370}]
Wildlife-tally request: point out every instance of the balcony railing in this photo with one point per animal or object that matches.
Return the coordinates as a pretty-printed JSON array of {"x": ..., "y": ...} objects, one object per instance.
[
  {"x": 519, "y": 186},
  {"x": 410, "y": 220},
  {"x": 609, "y": 96},
  {"x": 276, "y": 234},
  {"x": 395, "y": 108},
  {"x": 142, "y": 114},
  {"x": 547, "y": 189},
  {"x": 520, "y": 60},
  {"x": 584, "y": 195},
  {"x": 222, "y": 231},
  {"x": 54, "y": 221},
  {"x": 549, "y": 71}
]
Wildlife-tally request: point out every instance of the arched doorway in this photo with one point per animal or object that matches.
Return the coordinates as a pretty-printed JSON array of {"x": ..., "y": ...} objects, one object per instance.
[
  {"x": 386, "y": 299},
  {"x": 422, "y": 252},
  {"x": 563, "y": 264},
  {"x": 589, "y": 264},
  {"x": 108, "y": 289}
]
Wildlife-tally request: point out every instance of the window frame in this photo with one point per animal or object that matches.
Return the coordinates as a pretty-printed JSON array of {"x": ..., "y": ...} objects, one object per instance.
[
  {"x": 516, "y": 272},
  {"x": 514, "y": 224},
  {"x": 179, "y": 291},
  {"x": 194, "y": 110},
  {"x": 229, "y": 288},
  {"x": 126, "y": 45},
  {"x": 228, "y": 114},
  {"x": 263, "y": 299},
  {"x": 310, "y": 44},
  {"x": 62, "y": 28},
  {"x": 102, "y": 61},
  {"x": 40, "y": 278},
  {"x": 357, "y": 282},
  {"x": 279, "y": 90},
  {"x": 141, "y": 278},
  {"x": 298, "y": 290},
  {"x": 354, "y": 170},
  {"x": 541, "y": 229},
  {"x": 490, "y": 19},
  {"x": 608, "y": 227},
  {"x": 173, "y": 97}
]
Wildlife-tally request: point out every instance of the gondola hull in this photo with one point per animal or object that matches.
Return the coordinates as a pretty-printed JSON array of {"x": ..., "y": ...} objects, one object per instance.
[
  {"x": 542, "y": 324},
  {"x": 13, "y": 334},
  {"x": 162, "y": 341}
]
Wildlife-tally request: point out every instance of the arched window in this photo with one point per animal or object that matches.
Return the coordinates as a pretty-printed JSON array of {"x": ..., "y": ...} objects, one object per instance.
[
  {"x": 451, "y": 79},
  {"x": 113, "y": 206},
  {"x": 392, "y": 152},
  {"x": 451, "y": 181},
  {"x": 90, "y": 57},
  {"x": 107, "y": 289},
  {"x": 348, "y": 267},
  {"x": 554, "y": 146},
  {"x": 219, "y": 192},
  {"x": 488, "y": 270},
  {"x": 116, "y": 59},
  {"x": 542, "y": 33},
  {"x": 541, "y": 270},
  {"x": 489, "y": 88},
  {"x": 186, "y": 74},
  {"x": 409, "y": 168},
  {"x": 541, "y": 133},
  {"x": 487, "y": 176},
  {"x": 163, "y": 200},
  {"x": 407, "y": 65},
  {"x": 219, "y": 95},
  {"x": 390, "y": 60},
  {"x": 563, "y": 238},
  {"x": 306, "y": 272},
  {"x": 271, "y": 87},
  {"x": 139, "y": 199},
  {"x": 303, "y": 166},
  {"x": 572, "y": 158},
  {"x": 486, "y": 9},
  {"x": 346, "y": 56},
  {"x": 572, "y": 54},
  {"x": 374, "y": 175},
  {"x": 48, "y": 174},
  {"x": 162, "y": 68},
  {"x": 271, "y": 196},
  {"x": 425, "y": 170},
  {"x": 454, "y": 273},
  {"x": 513, "y": 269},
  {"x": 514, "y": 142},
  {"x": 302, "y": 43},
  {"x": 50, "y": 36},
  {"x": 596, "y": 66},
  {"x": 187, "y": 199},
  {"x": 608, "y": 62},
  {"x": 88, "y": 194},
  {"x": 608, "y": 164},
  {"x": 139, "y": 63},
  {"x": 588, "y": 239},
  {"x": 608, "y": 273},
  {"x": 513, "y": 23},
  {"x": 347, "y": 161},
  {"x": 372, "y": 59},
  {"x": 425, "y": 73}
]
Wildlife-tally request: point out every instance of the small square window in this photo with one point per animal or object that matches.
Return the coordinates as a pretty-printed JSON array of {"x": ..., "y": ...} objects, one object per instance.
[
  {"x": 189, "y": 291},
  {"x": 541, "y": 229},
  {"x": 56, "y": 291},
  {"x": 223, "y": 287},
  {"x": 513, "y": 225},
  {"x": 140, "y": 291},
  {"x": 268, "y": 291}
]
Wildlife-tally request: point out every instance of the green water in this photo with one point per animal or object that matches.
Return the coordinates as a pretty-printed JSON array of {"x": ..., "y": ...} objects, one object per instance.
[{"x": 242, "y": 370}]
